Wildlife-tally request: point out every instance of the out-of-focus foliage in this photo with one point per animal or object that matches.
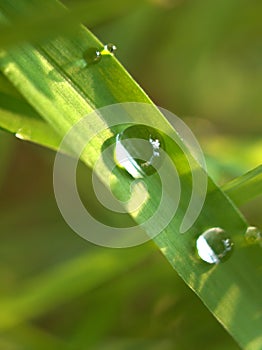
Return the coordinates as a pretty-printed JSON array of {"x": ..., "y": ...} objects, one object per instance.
[
  {"x": 74, "y": 295},
  {"x": 199, "y": 59}
]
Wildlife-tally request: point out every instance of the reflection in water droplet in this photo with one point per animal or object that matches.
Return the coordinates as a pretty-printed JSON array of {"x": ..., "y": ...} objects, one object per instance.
[
  {"x": 214, "y": 245},
  {"x": 19, "y": 136},
  {"x": 109, "y": 49},
  {"x": 22, "y": 134},
  {"x": 253, "y": 235},
  {"x": 138, "y": 150},
  {"x": 92, "y": 55}
]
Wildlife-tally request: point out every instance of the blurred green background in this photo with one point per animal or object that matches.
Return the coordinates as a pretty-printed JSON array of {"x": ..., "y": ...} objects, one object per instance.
[{"x": 202, "y": 61}]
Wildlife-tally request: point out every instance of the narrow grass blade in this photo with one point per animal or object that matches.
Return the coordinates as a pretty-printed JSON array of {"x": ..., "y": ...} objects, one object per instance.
[
  {"x": 37, "y": 25},
  {"x": 231, "y": 290},
  {"x": 19, "y": 118},
  {"x": 246, "y": 187},
  {"x": 25, "y": 127}
]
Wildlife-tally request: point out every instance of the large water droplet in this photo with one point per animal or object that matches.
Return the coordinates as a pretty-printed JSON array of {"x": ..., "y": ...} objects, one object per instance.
[
  {"x": 214, "y": 245},
  {"x": 253, "y": 235},
  {"x": 139, "y": 150},
  {"x": 92, "y": 55}
]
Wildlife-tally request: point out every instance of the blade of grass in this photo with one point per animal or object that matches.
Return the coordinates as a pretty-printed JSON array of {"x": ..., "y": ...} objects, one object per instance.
[
  {"x": 37, "y": 25},
  {"x": 246, "y": 187},
  {"x": 28, "y": 126},
  {"x": 242, "y": 154},
  {"x": 83, "y": 274},
  {"x": 130, "y": 290},
  {"x": 120, "y": 296},
  {"x": 231, "y": 290},
  {"x": 19, "y": 118}
]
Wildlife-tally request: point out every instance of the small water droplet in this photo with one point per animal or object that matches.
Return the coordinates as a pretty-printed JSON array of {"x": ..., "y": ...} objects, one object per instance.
[
  {"x": 22, "y": 134},
  {"x": 139, "y": 158},
  {"x": 19, "y": 136},
  {"x": 92, "y": 55},
  {"x": 253, "y": 235},
  {"x": 214, "y": 245},
  {"x": 109, "y": 49}
]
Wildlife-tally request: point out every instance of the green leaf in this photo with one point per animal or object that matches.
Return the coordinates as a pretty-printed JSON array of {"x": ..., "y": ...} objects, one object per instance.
[
  {"x": 19, "y": 118},
  {"x": 37, "y": 24},
  {"x": 122, "y": 296},
  {"x": 25, "y": 127},
  {"x": 62, "y": 97},
  {"x": 246, "y": 187}
]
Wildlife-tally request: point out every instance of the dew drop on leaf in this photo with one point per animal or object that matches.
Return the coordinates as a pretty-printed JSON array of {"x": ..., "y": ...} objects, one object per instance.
[
  {"x": 214, "y": 245},
  {"x": 92, "y": 55},
  {"x": 19, "y": 136},
  {"x": 109, "y": 49},
  {"x": 253, "y": 235},
  {"x": 23, "y": 134},
  {"x": 139, "y": 150}
]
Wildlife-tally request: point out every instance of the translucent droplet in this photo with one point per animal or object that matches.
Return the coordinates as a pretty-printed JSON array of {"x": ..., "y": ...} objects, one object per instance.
[
  {"x": 19, "y": 136},
  {"x": 23, "y": 134},
  {"x": 92, "y": 55},
  {"x": 214, "y": 245},
  {"x": 109, "y": 49},
  {"x": 253, "y": 235},
  {"x": 138, "y": 150}
]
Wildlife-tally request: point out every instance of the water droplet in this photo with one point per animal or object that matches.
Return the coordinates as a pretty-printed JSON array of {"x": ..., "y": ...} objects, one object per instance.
[
  {"x": 138, "y": 150},
  {"x": 19, "y": 136},
  {"x": 253, "y": 235},
  {"x": 214, "y": 245},
  {"x": 109, "y": 49},
  {"x": 92, "y": 55},
  {"x": 22, "y": 134}
]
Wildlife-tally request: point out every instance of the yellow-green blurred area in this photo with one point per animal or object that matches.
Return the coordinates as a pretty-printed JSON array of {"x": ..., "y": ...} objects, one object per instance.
[{"x": 199, "y": 59}]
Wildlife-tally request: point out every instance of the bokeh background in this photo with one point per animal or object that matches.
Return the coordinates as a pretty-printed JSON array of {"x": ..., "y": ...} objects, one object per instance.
[{"x": 199, "y": 59}]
